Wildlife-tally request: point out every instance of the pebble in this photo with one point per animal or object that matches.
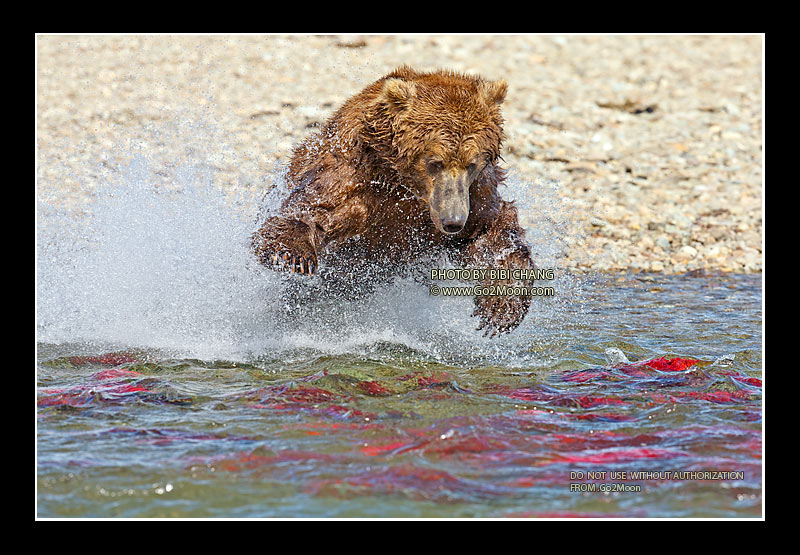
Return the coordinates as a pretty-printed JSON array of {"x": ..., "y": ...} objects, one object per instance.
[
  {"x": 664, "y": 243},
  {"x": 687, "y": 252}
]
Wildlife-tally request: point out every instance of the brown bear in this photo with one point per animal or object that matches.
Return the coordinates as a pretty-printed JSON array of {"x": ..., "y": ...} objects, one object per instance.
[{"x": 404, "y": 171}]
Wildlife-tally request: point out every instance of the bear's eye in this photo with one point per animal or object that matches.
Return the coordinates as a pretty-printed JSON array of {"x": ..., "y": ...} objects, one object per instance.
[{"x": 435, "y": 166}]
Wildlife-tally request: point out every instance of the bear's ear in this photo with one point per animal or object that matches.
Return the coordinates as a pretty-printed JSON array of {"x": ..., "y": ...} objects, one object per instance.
[
  {"x": 495, "y": 91},
  {"x": 397, "y": 93}
]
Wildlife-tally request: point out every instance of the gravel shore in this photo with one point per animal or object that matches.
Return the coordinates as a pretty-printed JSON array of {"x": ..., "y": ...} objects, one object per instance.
[{"x": 653, "y": 143}]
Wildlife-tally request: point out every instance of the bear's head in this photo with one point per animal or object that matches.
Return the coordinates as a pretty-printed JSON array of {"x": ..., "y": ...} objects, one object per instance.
[{"x": 440, "y": 132}]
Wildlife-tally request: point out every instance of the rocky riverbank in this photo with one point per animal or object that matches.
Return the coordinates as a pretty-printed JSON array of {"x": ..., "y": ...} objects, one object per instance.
[{"x": 653, "y": 143}]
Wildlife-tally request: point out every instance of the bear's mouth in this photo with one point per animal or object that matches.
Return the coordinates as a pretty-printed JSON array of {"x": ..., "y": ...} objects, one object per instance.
[
  {"x": 451, "y": 225},
  {"x": 450, "y": 228}
]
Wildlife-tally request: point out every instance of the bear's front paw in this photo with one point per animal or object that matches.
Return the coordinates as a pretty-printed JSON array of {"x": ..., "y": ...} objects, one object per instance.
[
  {"x": 286, "y": 261},
  {"x": 285, "y": 244},
  {"x": 500, "y": 314}
]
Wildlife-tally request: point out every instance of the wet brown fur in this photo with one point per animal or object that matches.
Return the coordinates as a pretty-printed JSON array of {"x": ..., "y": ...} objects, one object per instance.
[{"x": 361, "y": 188}]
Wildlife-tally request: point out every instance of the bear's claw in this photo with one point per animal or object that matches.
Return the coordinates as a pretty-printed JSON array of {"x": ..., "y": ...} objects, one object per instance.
[
  {"x": 294, "y": 264},
  {"x": 493, "y": 328},
  {"x": 499, "y": 315}
]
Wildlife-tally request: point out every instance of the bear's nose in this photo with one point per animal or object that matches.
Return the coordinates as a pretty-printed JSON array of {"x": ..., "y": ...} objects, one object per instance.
[{"x": 453, "y": 225}]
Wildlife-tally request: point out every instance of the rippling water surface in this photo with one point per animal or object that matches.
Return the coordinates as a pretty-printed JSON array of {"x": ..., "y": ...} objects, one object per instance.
[{"x": 399, "y": 428}]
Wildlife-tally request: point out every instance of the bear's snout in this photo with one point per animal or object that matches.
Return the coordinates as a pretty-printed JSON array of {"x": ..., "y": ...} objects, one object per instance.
[{"x": 450, "y": 201}]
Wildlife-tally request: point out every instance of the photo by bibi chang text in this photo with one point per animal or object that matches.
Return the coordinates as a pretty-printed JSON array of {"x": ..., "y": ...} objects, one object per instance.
[
  {"x": 481, "y": 274},
  {"x": 523, "y": 277}
]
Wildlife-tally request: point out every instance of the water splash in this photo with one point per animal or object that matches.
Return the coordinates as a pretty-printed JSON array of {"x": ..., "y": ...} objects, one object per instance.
[
  {"x": 166, "y": 264},
  {"x": 146, "y": 266}
]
